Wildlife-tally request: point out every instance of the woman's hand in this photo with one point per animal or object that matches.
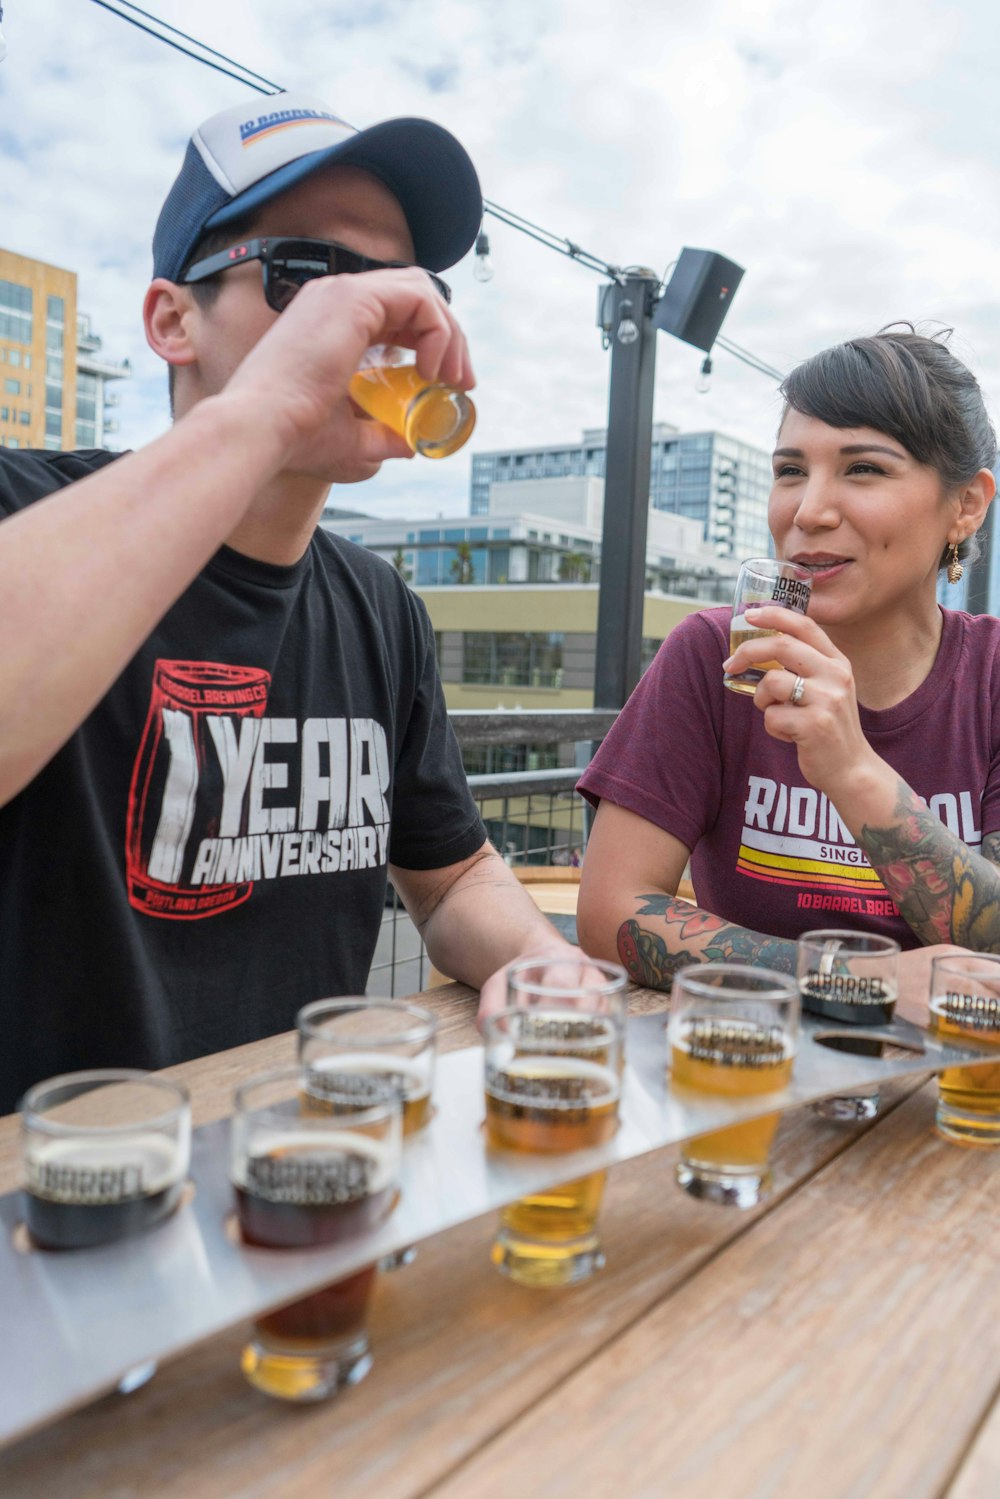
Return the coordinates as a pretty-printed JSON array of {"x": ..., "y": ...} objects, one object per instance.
[{"x": 811, "y": 701}]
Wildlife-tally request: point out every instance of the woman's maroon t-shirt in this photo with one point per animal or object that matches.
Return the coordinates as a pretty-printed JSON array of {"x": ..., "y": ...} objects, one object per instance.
[{"x": 768, "y": 851}]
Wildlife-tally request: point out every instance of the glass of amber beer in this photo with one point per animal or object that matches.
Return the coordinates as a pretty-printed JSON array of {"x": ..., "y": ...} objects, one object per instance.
[
  {"x": 553, "y": 1083},
  {"x": 350, "y": 1046},
  {"x": 763, "y": 580},
  {"x": 732, "y": 1034},
  {"x": 853, "y": 978},
  {"x": 105, "y": 1154},
  {"x": 965, "y": 1006},
  {"x": 435, "y": 419},
  {"x": 303, "y": 1179}
]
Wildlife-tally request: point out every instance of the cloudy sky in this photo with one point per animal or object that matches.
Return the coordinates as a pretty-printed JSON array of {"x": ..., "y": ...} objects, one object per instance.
[{"x": 847, "y": 154}]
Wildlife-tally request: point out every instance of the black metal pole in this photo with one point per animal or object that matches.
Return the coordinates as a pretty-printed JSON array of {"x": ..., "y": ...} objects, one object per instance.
[{"x": 626, "y": 492}]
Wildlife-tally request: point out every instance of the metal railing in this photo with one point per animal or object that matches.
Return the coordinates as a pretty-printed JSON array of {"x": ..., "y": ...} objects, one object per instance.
[{"x": 532, "y": 816}]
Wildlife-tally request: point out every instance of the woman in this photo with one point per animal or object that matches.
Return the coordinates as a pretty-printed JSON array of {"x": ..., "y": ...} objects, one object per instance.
[{"x": 860, "y": 786}]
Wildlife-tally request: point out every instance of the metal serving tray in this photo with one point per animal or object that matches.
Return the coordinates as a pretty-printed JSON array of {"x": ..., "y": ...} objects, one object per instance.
[{"x": 74, "y": 1323}]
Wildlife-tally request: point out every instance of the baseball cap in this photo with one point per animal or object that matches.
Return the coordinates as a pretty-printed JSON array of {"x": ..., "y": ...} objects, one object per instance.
[{"x": 245, "y": 156}]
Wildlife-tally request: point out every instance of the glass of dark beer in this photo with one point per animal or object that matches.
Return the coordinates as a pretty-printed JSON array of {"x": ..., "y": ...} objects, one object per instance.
[
  {"x": 302, "y": 1179},
  {"x": 105, "y": 1154},
  {"x": 852, "y": 978}
]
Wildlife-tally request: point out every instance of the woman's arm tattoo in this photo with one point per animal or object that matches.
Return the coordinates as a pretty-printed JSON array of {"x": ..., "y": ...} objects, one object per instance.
[
  {"x": 944, "y": 891},
  {"x": 695, "y": 936}
]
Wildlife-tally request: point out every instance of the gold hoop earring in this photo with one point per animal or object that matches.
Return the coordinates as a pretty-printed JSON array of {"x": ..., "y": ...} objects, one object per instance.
[{"x": 955, "y": 568}]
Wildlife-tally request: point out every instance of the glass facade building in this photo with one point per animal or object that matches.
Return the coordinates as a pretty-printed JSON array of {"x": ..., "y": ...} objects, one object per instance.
[{"x": 716, "y": 480}]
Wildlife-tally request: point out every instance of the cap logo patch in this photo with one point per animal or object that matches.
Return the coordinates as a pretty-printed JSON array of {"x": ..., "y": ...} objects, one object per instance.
[{"x": 252, "y": 131}]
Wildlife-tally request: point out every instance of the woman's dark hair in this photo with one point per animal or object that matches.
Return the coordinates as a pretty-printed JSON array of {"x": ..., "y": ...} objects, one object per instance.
[{"x": 911, "y": 388}]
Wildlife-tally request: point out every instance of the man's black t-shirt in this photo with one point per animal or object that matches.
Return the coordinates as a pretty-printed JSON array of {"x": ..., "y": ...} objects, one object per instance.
[{"x": 208, "y": 851}]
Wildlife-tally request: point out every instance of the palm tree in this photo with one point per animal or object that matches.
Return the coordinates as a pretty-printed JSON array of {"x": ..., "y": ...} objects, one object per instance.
[
  {"x": 462, "y": 570},
  {"x": 574, "y": 567},
  {"x": 399, "y": 563}
]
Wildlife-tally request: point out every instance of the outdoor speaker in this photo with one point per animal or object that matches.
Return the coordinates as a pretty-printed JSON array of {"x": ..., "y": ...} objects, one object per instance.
[{"x": 697, "y": 297}]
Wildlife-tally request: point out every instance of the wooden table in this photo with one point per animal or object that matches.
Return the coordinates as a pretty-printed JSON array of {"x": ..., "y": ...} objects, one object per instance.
[{"x": 841, "y": 1340}]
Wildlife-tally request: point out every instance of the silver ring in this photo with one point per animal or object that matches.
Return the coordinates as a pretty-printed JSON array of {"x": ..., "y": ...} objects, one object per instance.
[{"x": 798, "y": 691}]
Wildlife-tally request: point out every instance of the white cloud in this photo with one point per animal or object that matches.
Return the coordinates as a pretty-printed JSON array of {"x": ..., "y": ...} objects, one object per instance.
[{"x": 845, "y": 154}]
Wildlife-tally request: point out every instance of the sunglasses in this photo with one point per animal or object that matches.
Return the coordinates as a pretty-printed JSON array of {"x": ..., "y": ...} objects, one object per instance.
[{"x": 287, "y": 264}]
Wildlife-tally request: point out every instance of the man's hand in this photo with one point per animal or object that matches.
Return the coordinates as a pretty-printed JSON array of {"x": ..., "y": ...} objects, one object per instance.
[
  {"x": 296, "y": 377},
  {"x": 560, "y": 966}
]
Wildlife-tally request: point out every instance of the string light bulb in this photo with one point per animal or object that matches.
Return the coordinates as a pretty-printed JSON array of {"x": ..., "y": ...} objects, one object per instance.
[
  {"x": 627, "y": 330},
  {"x": 703, "y": 384},
  {"x": 482, "y": 270}
]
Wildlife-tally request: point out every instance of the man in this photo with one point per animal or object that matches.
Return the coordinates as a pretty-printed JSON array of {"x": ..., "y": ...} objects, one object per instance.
[{"x": 220, "y": 726}]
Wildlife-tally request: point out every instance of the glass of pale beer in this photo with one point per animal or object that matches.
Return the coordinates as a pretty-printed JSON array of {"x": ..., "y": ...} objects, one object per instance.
[
  {"x": 763, "y": 580},
  {"x": 304, "y": 1178},
  {"x": 965, "y": 1007},
  {"x": 852, "y": 978},
  {"x": 732, "y": 1033},
  {"x": 553, "y": 1084},
  {"x": 433, "y": 418},
  {"x": 105, "y": 1154},
  {"x": 348, "y": 1047},
  {"x": 591, "y": 985}
]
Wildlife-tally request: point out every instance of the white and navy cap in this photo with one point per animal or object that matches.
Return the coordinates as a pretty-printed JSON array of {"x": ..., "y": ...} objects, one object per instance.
[{"x": 247, "y": 155}]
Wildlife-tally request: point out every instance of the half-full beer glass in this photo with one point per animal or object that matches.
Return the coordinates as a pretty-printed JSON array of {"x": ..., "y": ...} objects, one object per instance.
[
  {"x": 763, "y": 580},
  {"x": 435, "y": 419},
  {"x": 105, "y": 1154},
  {"x": 732, "y": 1033},
  {"x": 302, "y": 1179},
  {"x": 350, "y": 1046},
  {"x": 965, "y": 1006},
  {"x": 553, "y": 1083},
  {"x": 852, "y": 978}
]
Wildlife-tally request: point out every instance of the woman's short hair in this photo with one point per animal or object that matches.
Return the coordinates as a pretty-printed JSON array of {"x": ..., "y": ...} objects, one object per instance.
[{"x": 910, "y": 387}]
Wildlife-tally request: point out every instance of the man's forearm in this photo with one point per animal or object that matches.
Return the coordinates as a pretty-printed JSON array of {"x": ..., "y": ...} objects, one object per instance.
[
  {"x": 667, "y": 934},
  {"x": 482, "y": 920},
  {"x": 87, "y": 573}
]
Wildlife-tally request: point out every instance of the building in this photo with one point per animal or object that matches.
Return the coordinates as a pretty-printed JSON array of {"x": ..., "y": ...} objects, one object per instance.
[
  {"x": 52, "y": 375},
  {"x": 94, "y": 372},
  {"x": 705, "y": 476}
]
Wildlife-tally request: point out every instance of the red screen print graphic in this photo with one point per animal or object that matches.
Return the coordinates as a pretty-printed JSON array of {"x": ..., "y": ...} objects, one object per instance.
[{"x": 191, "y": 730}]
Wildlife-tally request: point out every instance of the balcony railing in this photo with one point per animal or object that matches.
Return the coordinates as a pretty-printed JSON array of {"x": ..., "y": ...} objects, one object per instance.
[{"x": 532, "y": 816}]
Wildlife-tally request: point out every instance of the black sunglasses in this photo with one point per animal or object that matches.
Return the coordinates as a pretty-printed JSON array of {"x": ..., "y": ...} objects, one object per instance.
[{"x": 288, "y": 264}]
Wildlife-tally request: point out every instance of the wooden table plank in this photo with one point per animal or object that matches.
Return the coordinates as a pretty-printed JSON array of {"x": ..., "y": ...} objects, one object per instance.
[
  {"x": 979, "y": 1474},
  {"x": 460, "y": 1353},
  {"x": 848, "y": 1345}
]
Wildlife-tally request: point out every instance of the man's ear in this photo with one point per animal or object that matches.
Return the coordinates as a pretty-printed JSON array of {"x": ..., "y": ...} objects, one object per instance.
[{"x": 167, "y": 314}]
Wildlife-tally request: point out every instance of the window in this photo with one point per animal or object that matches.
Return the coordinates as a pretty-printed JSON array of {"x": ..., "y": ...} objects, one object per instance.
[
  {"x": 54, "y": 367},
  {"x": 12, "y": 387},
  {"x": 24, "y": 417},
  {"x": 513, "y": 659},
  {"x": 14, "y": 357},
  {"x": 12, "y": 442},
  {"x": 27, "y": 361},
  {"x": 53, "y": 425},
  {"x": 4, "y": 413},
  {"x": 55, "y": 310}
]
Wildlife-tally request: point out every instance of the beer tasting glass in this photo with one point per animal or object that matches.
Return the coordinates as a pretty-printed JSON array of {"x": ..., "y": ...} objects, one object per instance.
[
  {"x": 553, "y": 1084},
  {"x": 589, "y": 984},
  {"x": 965, "y": 1006},
  {"x": 355, "y": 1045},
  {"x": 350, "y": 1045},
  {"x": 763, "y": 580},
  {"x": 105, "y": 1154},
  {"x": 732, "y": 1033},
  {"x": 302, "y": 1179},
  {"x": 434, "y": 419},
  {"x": 850, "y": 977}
]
